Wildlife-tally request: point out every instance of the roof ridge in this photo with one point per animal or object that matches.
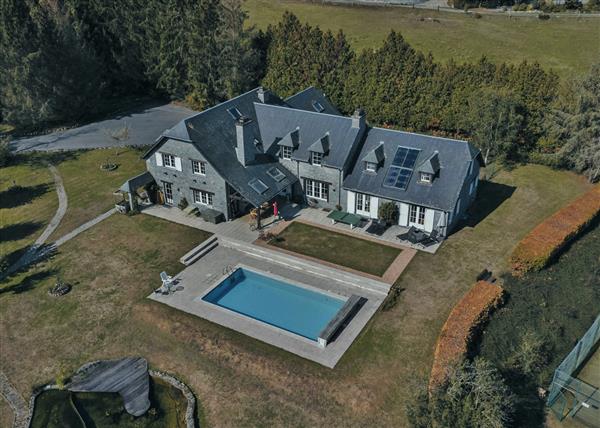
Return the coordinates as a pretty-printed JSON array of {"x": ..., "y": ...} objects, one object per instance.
[
  {"x": 337, "y": 116},
  {"x": 420, "y": 134}
]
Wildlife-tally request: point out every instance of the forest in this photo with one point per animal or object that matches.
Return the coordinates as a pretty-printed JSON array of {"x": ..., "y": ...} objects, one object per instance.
[{"x": 68, "y": 61}]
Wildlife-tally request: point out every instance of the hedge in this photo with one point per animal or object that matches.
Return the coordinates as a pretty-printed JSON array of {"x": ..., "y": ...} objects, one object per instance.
[
  {"x": 548, "y": 238},
  {"x": 461, "y": 327}
]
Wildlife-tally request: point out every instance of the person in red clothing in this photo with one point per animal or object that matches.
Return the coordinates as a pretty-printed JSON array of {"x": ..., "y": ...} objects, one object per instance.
[{"x": 275, "y": 210}]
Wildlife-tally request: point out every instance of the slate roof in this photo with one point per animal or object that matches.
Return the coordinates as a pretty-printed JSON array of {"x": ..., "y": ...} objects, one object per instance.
[
  {"x": 213, "y": 132},
  {"x": 276, "y": 122},
  {"x": 454, "y": 157},
  {"x": 310, "y": 99}
]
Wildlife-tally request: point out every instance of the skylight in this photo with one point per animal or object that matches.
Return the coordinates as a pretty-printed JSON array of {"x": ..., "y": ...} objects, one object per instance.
[
  {"x": 399, "y": 173},
  {"x": 317, "y": 106},
  {"x": 258, "y": 186},
  {"x": 234, "y": 113},
  {"x": 275, "y": 173}
]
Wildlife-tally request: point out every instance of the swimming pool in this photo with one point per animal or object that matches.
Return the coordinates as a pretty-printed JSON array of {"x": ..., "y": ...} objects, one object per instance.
[{"x": 290, "y": 307}]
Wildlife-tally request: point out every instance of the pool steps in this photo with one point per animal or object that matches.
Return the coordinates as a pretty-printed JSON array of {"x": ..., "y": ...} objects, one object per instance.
[{"x": 200, "y": 251}]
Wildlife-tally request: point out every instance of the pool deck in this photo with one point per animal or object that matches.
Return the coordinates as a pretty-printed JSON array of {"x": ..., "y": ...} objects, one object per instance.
[{"x": 197, "y": 279}]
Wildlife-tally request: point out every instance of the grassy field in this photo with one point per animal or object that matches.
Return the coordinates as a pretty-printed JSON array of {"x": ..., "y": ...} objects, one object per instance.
[
  {"x": 344, "y": 250},
  {"x": 24, "y": 211},
  {"x": 567, "y": 45},
  {"x": 90, "y": 189},
  {"x": 240, "y": 381}
]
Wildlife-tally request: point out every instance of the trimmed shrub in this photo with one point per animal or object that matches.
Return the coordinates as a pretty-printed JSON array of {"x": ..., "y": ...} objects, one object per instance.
[
  {"x": 548, "y": 238},
  {"x": 388, "y": 212},
  {"x": 461, "y": 327}
]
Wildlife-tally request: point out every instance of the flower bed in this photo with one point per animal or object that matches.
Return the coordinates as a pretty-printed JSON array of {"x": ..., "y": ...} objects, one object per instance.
[
  {"x": 548, "y": 238},
  {"x": 461, "y": 327}
]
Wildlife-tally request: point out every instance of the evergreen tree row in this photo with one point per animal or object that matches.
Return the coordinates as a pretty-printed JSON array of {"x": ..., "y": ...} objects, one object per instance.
[{"x": 65, "y": 60}]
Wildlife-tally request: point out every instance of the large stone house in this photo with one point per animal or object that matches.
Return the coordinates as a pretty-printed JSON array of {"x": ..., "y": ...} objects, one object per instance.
[{"x": 248, "y": 150}]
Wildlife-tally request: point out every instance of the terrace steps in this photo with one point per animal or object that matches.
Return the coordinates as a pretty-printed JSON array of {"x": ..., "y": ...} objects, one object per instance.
[{"x": 200, "y": 251}]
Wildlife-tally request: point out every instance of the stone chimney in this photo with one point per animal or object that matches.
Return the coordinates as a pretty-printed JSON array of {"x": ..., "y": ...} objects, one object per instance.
[
  {"x": 245, "y": 141},
  {"x": 263, "y": 95},
  {"x": 359, "y": 118}
]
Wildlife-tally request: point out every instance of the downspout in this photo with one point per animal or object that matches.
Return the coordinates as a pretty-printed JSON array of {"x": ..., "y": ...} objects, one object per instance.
[{"x": 340, "y": 188}]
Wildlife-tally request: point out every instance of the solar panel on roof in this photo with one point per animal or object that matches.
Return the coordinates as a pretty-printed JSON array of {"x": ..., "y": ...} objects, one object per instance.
[
  {"x": 234, "y": 112},
  {"x": 258, "y": 186},
  {"x": 276, "y": 173},
  {"x": 399, "y": 173}
]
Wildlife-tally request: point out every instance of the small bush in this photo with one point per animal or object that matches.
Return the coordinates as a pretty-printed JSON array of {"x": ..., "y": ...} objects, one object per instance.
[
  {"x": 477, "y": 15},
  {"x": 5, "y": 153},
  {"x": 544, "y": 16},
  {"x": 388, "y": 212},
  {"x": 546, "y": 241},
  {"x": 461, "y": 327}
]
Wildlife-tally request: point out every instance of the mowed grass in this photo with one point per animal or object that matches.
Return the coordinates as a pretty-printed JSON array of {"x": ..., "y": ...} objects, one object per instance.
[
  {"x": 240, "y": 381},
  {"x": 567, "y": 45},
  {"x": 90, "y": 189},
  {"x": 365, "y": 256},
  {"x": 25, "y": 210}
]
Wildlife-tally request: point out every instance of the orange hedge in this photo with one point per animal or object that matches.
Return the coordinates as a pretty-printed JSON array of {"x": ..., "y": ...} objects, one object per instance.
[
  {"x": 549, "y": 237},
  {"x": 460, "y": 327}
]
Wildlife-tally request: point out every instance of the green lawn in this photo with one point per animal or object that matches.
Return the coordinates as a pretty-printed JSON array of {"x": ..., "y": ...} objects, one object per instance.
[
  {"x": 25, "y": 210},
  {"x": 238, "y": 380},
  {"x": 452, "y": 35},
  {"x": 337, "y": 248},
  {"x": 90, "y": 189}
]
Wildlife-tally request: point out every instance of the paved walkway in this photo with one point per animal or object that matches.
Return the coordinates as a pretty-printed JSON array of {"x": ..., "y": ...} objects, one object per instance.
[
  {"x": 72, "y": 234},
  {"x": 16, "y": 402}
]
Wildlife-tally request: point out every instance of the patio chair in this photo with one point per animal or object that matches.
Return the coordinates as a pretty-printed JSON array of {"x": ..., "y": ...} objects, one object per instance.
[
  {"x": 377, "y": 227},
  {"x": 167, "y": 283},
  {"x": 407, "y": 235},
  {"x": 431, "y": 239}
]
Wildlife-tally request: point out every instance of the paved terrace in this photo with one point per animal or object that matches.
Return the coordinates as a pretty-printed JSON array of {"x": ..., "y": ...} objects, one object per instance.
[
  {"x": 240, "y": 228},
  {"x": 197, "y": 279}
]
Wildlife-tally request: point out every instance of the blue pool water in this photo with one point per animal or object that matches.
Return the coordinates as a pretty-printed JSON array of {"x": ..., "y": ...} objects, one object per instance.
[{"x": 292, "y": 308}]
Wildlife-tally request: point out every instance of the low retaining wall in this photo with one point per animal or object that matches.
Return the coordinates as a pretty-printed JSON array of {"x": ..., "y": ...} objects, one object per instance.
[
  {"x": 188, "y": 394},
  {"x": 461, "y": 327},
  {"x": 548, "y": 238}
]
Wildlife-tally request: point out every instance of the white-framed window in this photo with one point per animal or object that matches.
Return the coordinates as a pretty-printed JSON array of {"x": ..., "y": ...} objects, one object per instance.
[
  {"x": 286, "y": 152},
  {"x": 425, "y": 177},
  {"x": 416, "y": 215},
  {"x": 203, "y": 198},
  {"x": 316, "y": 158},
  {"x": 168, "y": 160},
  {"x": 371, "y": 166},
  {"x": 199, "y": 167},
  {"x": 316, "y": 189},
  {"x": 363, "y": 202}
]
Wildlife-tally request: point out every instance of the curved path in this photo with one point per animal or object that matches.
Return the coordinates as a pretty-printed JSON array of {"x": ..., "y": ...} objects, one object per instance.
[
  {"x": 16, "y": 402},
  {"x": 37, "y": 249}
]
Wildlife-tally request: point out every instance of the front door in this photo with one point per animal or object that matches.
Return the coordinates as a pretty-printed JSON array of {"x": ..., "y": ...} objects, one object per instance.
[
  {"x": 363, "y": 204},
  {"x": 168, "y": 190}
]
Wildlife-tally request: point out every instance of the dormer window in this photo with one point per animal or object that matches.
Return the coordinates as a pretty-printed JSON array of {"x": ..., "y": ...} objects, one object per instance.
[
  {"x": 316, "y": 158},
  {"x": 425, "y": 177},
  {"x": 370, "y": 166},
  {"x": 286, "y": 152}
]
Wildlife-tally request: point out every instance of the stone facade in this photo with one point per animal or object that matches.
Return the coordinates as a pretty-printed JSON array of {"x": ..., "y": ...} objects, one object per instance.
[{"x": 183, "y": 179}]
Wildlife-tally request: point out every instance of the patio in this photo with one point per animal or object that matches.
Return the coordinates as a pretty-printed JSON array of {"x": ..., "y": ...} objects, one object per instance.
[{"x": 239, "y": 228}]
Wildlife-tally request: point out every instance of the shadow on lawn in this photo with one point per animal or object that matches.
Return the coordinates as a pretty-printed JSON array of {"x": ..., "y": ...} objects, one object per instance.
[
  {"x": 29, "y": 282},
  {"x": 490, "y": 196},
  {"x": 18, "y": 195},
  {"x": 16, "y": 232}
]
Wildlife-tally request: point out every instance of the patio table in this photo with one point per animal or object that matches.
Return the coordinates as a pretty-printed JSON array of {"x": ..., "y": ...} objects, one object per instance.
[{"x": 343, "y": 217}]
